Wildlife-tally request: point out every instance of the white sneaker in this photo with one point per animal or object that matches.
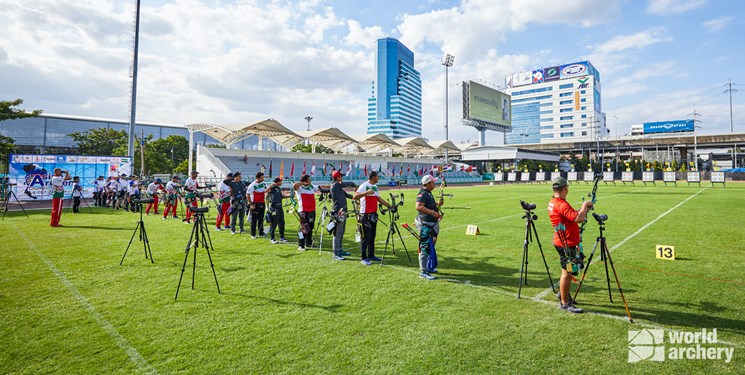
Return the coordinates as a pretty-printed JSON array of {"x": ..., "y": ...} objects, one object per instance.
[
  {"x": 273, "y": 242},
  {"x": 253, "y": 237},
  {"x": 300, "y": 248}
]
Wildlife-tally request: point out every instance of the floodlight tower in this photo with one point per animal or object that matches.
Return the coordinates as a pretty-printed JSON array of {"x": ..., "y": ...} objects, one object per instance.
[
  {"x": 448, "y": 62},
  {"x": 133, "y": 93}
]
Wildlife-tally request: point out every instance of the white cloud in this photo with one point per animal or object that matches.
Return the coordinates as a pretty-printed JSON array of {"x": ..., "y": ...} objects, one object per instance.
[
  {"x": 717, "y": 24},
  {"x": 362, "y": 36},
  {"x": 662, "y": 7},
  {"x": 620, "y": 51},
  {"x": 635, "y": 82}
]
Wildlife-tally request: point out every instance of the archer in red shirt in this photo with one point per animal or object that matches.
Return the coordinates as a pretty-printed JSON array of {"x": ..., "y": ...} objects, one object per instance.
[{"x": 561, "y": 212}]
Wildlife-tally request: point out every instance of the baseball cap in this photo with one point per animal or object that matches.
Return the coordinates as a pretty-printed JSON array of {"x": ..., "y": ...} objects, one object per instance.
[
  {"x": 229, "y": 175},
  {"x": 277, "y": 180},
  {"x": 559, "y": 182},
  {"x": 427, "y": 179},
  {"x": 336, "y": 174},
  {"x": 194, "y": 172}
]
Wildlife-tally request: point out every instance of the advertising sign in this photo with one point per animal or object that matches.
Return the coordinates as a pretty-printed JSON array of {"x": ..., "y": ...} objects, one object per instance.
[
  {"x": 522, "y": 78},
  {"x": 574, "y": 70},
  {"x": 31, "y": 173},
  {"x": 552, "y": 74},
  {"x": 668, "y": 126},
  {"x": 538, "y": 76},
  {"x": 489, "y": 105}
]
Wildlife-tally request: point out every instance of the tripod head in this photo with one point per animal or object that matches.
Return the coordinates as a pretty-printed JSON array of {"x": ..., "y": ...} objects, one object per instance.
[
  {"x": 199, "y": 211},
  {"x": 529, "y": 207},
  {"x": 144, "y": 201},
  {"x": 392, "y": 212}
]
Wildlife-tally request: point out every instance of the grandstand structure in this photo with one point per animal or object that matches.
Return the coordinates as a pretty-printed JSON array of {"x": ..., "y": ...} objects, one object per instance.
[{"x": 354, "y": 156}]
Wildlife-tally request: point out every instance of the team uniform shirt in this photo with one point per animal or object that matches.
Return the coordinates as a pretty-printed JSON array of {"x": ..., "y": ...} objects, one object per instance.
[
  {"x": 77, "y": 190},
  {"x": 307, "y": 198},
  {"x": 256, "y": 191},
  {"x": 171, "y": 189},
  {"x": 113, "y": 185},
  {"x": 191, "y": 187},
  {"x": 223, "y": 191},
  {"x": 369, "y": 203},
  {"x": 275, "y": 196},
  {"x": 58, "y": 189},
  {"x": 123, "y": 186},
  {"x": 560, "y": 211},
  {"x": 134, "y": 187},
  {"x": 99, "y": 185},
  {"x": 425, "y": 196},
  {"x": 153, "y": 188}
]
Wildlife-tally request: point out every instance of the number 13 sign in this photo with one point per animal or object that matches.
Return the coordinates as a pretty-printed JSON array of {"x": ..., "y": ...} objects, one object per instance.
[{"x": 665, "y": 252}]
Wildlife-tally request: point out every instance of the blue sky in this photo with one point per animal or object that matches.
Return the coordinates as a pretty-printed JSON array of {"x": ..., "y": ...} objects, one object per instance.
[{"x": 235, "y": 62}]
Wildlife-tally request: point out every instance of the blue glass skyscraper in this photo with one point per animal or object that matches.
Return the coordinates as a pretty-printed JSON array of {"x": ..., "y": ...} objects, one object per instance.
[{"x": 395, "y": 108}]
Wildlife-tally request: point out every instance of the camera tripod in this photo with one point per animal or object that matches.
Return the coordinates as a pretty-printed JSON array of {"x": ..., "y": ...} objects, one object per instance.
[
  {"x": 8, "y": 195},
  {"x": 606, "y": 258},
  {"x": 82, "y": 198},
  {"x": 200, "y": 236},
  {"x": 143, "y": 234},
  {"x": 530, "y": 233},
  {"x": 393, "y": 230}
]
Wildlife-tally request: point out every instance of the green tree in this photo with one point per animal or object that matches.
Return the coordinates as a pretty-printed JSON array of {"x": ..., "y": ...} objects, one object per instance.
[
  {"x": 7, "y": 146},
  {"x": 174, "y": 146},
  {"x": 183, "y": 167},
  {"x": 7, "y": 112},
  {"x": 101, "y": 141},
  {"x": 309, "y": 148}
]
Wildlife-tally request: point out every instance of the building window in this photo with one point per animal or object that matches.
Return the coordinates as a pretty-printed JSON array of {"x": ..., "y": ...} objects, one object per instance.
[
  {"x": 565, "y": 110},
  {"x": 564, "y": 102},
  {"x": 564, "y": 126},
  {"x": 562, "y": 118},
  {"x": 583, "y": 108},
  {"x": 567, "y": 134},
  {"x": 582, "y": 92},
  {"x": 584, "y": 124},
  {"x": 583, "y": 100},
  {"x": 546, "y": 119},
  {"x": 565, "y": 94},
  {"x": 584, "y": 116},
  {"x": 533, "y": 91},
  {"x": 566, "y": 86},
  {"x": 584, "y": 133},
  {"x": 550, "y": 111}
]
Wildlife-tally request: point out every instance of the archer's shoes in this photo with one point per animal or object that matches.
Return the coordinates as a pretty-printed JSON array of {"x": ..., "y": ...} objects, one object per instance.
[
  {"x": 273, "y": 242},
  {"x": 165, "y": 218},
  {"x": 282, "y": 240},
  {"x": 345, "y": 253},
  {"x": 338, "y": 257},
  {"x": 253, "y": 237},
  {"x": 366, "y": 262},
  {"x": 570, "y": 308},
  {"x": 218, "y": 229},
  {"x": 300, "y": 248},
  {"x": 432, "y": 271},
  {"x": 571, "y": 301},
  {"x": 427, "y": 276},
  {"x": 232, "y": 232},
  {"x": 243, "y": 231},
  {"x": 374, "y": 259}
]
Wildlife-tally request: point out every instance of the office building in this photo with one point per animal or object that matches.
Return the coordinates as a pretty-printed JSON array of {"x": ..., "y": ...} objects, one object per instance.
[
  {"x": 395, "y": 108},
  {"x": 556, "y": 104}
]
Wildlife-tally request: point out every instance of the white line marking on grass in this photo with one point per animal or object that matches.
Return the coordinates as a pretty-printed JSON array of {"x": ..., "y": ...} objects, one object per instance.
[
  {"x": 122, "y": 342},
  {"x": 549, "y": 290}
]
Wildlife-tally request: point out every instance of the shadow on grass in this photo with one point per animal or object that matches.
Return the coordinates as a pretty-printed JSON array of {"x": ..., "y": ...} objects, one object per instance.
[
  {"x": 94, "y": 227},
  {"x": 331, "y": 308}
]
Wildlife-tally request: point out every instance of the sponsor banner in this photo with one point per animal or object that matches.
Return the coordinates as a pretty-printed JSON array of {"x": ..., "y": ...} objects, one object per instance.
[
  {"x": 551, "y": 74},
  {"x": 33, "y": 177},
  {"x": 574, "y": 70},
  {"x": 489, "y": 105},
  {"x": 522, "y": 78},
  {"x": 668, "y": 126},
  {"x": 538, "y": 76}
]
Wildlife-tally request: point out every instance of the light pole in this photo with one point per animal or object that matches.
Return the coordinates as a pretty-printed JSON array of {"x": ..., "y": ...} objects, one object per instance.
[
  {"x": 695, "y": 147},
  {"x": 308, "y": 118},
  {"x": 448, "y": 62}
]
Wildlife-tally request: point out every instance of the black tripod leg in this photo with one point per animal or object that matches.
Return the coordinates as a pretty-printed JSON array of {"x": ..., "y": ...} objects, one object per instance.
[
  {"x": 385, "y": 248},
  {"x": 19, "y": 204},
  {"x": 209, "y": 255},
  {"x": 587, "y": 267},
  {"x": 130, "y": 242},
  {"x": 618, "y": 282},
  {"x": 146, "y": 243},
  {"x": 540, "y": 247},
  {"x": 604, "y": 256},
  {"x": 196, "y": 247},
  {"x": 186, "y": 257},
  {"x": 403, "y": 243},
  {"x": 524, "y": 262}
]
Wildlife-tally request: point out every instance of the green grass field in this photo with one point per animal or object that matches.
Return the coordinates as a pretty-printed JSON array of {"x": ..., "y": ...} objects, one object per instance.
[{"x": 67, "y": 306}]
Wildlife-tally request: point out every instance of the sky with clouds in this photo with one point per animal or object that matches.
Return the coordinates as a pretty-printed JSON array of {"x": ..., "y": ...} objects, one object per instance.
[{"x": 236, "y": 62}]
